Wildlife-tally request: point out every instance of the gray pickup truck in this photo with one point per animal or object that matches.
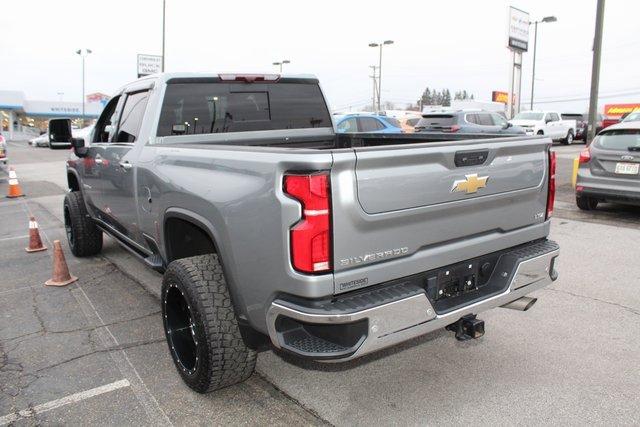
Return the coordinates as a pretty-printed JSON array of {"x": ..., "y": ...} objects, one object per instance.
[{"x": 268, "y": 226}]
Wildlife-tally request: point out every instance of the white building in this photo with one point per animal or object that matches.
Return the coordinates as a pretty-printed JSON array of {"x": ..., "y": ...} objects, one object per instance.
[{"x": 22, "y": 118}]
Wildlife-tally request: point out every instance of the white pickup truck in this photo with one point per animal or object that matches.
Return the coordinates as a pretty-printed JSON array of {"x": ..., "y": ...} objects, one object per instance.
[{"x": 548, "y": 123}]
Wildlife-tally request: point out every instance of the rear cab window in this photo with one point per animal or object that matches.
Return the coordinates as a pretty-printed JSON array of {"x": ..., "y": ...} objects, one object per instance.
[
  {"x": 196, "y": 107},
  {"x": 619, "y": 139}
]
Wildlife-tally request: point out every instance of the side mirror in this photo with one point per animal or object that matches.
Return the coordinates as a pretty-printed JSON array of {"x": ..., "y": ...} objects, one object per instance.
[
  {"x": 78, "y": 147},
  {"x": 60, "y": 130},
  {"x": 507, "y": 125}
]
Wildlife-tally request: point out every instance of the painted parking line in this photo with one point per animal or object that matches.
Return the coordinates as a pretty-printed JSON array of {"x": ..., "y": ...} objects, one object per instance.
[{"x": 67, "y": 400}]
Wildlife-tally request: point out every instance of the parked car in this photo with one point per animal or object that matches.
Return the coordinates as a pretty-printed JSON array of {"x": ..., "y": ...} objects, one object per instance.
[
  {"x": 609, "y": 121},
  {"x": 367, "y": 123},
  {"x": 609, "y": 168},
  {"x": 467, "y": 121},
  {"x": 3, "y": 151},
  {"x": 632, "y": 117},
  {"x": 548, "y": 123},
  {"x": 268, "y": 225},
  {"x": 582, "y": 122},
  {"x": 40, "y": 141},
  {"x": 408, "y": 123}
]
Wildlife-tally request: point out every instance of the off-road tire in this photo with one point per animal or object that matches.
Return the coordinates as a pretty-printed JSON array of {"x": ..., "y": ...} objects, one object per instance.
[
  {"x": 586, "y": 203},
  {"x": 569, "y": 138},
  {"x": 85, "y": 239},
  {"x": 222, "y": 356}
]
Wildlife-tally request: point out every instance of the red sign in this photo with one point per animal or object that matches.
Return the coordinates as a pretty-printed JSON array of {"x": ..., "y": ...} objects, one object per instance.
[
  {"x": 618, "y": 110},
  {"x": 497, "y": 96}
]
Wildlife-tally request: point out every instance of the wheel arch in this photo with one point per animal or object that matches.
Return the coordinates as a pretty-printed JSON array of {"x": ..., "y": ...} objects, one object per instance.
[{"x": 73, "y": 180}]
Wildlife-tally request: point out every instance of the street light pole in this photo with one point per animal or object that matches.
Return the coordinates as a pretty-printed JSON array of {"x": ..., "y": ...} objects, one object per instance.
[
  {"x": 595, "y": 72},
  {"x": 164, "y": 9},
  {"x": 284, "y": 61},
  {"x": 386, "y": 42},
  {"x": 83, "y": 54},
  {"x": 535, "y": 48}
]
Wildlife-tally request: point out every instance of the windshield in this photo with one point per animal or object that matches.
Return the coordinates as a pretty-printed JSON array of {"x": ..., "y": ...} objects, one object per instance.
[
  {"x": 200, "y": 108},
  {"x": 633, "y": 117},
  {"x": 620, "y": 139},
  {"x": 528, "y": 116}
]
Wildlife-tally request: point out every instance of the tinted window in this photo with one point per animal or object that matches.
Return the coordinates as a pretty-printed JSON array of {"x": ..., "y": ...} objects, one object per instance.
[
  {"x": 413, "y": 122},
  {"x": 485, "y": 119},
  {"x": 620, "y": 139},
  {"x": 197, "y": 108},
  {"x": 369, "y": 124},
  {"x": 391, "y": 121},
  {"x": 572, "y": 117},
  {"x": 109, "y": 117},
  {"x": 498, "y": 120},
  {"x": 132, "y": 114},
  {"x": 436, "y": 120},
  {"x": 348, "y": 125},
  {"x": 473, "y": 118}
]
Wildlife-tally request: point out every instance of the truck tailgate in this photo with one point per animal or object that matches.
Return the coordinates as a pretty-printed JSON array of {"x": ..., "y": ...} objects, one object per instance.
[{"x": 399, "y": 210}]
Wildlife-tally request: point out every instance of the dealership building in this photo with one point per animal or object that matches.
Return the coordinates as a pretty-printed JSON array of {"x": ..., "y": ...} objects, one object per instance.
[{"x": 22, "y": 118}]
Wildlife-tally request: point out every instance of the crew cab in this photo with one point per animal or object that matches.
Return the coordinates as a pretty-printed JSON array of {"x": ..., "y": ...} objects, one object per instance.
[
  {"x": 270, "y": 227},
  {"x": 547, "y": 123}
]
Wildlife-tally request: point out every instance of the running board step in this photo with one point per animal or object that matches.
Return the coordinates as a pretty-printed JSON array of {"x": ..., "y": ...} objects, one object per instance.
[{"x": 155, "y": 262}]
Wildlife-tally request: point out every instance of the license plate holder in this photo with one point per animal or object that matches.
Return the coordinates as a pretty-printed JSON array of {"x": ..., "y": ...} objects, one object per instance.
[{"x": 627, "y": 168}]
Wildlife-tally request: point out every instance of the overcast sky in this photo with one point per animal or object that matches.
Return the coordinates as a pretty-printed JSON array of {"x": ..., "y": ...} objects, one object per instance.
[{"x": 443, "y": 44}]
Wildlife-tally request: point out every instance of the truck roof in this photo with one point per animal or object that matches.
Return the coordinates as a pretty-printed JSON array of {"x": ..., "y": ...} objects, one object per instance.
[{"x": 164, "y": 77}]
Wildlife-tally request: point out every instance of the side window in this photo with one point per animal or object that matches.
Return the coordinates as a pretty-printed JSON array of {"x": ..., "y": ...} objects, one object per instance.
[
  {"x": 105, "y": 127},
  {"x": 485, "y": 119},
  {"x": 498, "y": 120},
  {"x": 553, "y": 117},
  {"x": 369, "y": 124},
  {"x": 132, "y": 114},
  {"x": 348, "y": 126},
  {"x": 472, "y": 118}
]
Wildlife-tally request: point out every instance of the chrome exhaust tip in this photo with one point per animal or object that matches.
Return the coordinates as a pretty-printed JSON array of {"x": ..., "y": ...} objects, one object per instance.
[{"x": 521, "y": 304}]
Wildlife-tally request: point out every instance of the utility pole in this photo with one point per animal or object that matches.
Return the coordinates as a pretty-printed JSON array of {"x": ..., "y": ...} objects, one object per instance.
[
  {"x": 595, "y": 72},
  {"x": 386, "y": 42},
  {"x": 164, "y": 10},
  {"x": 374, "y": 95}
]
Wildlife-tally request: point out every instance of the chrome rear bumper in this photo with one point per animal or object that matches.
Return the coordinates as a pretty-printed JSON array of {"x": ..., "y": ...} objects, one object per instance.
[{"x": 401, "y": 320}]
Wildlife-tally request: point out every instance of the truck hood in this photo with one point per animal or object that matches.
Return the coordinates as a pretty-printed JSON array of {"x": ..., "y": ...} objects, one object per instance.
[{"x": 524, "y": 122}]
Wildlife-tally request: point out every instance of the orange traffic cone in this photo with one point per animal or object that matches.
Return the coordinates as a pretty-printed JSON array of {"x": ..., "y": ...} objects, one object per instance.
[
  {"x": 61, "y": 276},
  {"x": 14, "y": 186},
  {"x": 35, "y": 243}
]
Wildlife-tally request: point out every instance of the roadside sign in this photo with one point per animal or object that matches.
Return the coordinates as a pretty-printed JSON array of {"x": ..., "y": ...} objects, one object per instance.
[
  {"x": 618, "y": 110},
  {"x": 518, "y": 30},
  {"x": 498, "y": 96},
  {"x": 149, "y": 64}
]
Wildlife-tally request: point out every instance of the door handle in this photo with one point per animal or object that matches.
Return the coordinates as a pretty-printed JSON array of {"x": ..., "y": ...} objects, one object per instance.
[{"x": 125, "y": 165}]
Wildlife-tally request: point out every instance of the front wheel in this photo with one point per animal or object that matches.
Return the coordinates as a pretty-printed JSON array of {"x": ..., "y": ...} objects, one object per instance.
[
  {"x": 201, "y": 327},
  {"x": 85, "y": 239}
]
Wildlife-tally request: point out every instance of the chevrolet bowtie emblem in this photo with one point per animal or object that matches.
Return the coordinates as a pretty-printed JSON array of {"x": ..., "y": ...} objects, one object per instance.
[{"x": 470, "y": 184}]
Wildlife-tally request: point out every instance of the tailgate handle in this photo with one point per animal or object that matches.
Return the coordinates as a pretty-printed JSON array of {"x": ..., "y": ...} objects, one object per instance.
[{"x": 470, "y": 158}]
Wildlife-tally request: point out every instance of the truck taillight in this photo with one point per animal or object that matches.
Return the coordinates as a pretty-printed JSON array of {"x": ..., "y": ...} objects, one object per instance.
[
  {"x": 551, "y": 194},
  {"x": 311, "y": 236},
  {"x": 585, "y": 156}
]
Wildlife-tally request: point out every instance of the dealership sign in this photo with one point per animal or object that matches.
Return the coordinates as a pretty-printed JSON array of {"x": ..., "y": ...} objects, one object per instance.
[
  {"x": 149, "y": 64},
  {"x": 518, "y": 29},
  {"x": 498, "y": 96},
  {"x": 620, "y": 109}
]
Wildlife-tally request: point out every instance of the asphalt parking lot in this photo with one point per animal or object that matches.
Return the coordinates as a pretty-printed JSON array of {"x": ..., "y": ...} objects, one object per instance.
[{"x": 94, "y": 352}]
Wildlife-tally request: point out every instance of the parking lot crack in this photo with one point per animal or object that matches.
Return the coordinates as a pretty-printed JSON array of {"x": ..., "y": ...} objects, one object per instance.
[{"x": 624, "y": 307}]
